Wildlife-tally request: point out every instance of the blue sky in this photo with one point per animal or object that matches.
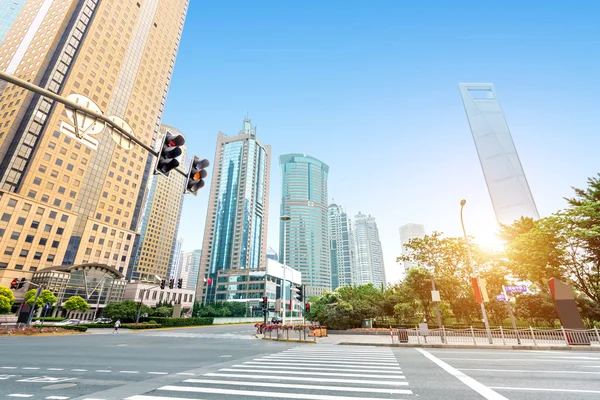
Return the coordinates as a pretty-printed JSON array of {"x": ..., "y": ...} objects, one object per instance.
[{"x": 370, "y": 88}]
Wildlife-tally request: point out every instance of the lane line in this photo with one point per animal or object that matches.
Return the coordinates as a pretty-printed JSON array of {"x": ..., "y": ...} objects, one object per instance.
[
  {"x": 55, "y": 369},
  {"x": 277, "y": 395},
  {"x": 293, "y": 386},
  {"x": 185, "y": 373},
  {"x": 333, "y": 361},
  {"x": 57, "y": 398},
  {"x": 8, "y": 367},
  {"x": 514, "y": 359},
  {"x": 277, "y": 371},
  {"x": 19, "y": 395},
  {"x": 30, "y": 368},
  {"x": 79, "y": 370},
  {"x": 312, "y": 368},
  {"x": 545, "y": 389},
  {"x": 483, "y": 390},
  {"x": 129, "y": 372},
  {"x": 333, "y": 356},
  {"x": 530, "y": 371},
  {"x": 373, "y": 367},
  {"x": 103, "y": 370},
  {"x": 309, "y": 379},
  {"x": 158, "y": 373}
]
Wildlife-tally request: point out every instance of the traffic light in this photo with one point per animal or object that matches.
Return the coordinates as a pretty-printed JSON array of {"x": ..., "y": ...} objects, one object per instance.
[
  {"x": 307, "y": 308},
  {"x": 299, "y": 295},
  {"x": 265, "y": 303},
  {"x": 162, "y": 283},
  {"x": 168, "y": 153},
  {"x": 139, "y": 304},
  {"x": 14, "y": 283},
  {"x": 179, "y": 283},
  {"x": 21, "y": 283},
  {"x": 171, "y": 283},
  {"x": 196, "y": 175}
]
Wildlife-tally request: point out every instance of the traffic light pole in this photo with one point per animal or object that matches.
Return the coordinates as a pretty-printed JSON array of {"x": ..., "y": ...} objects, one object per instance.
[
  {"x": 38, "y": 292},
  {"x": 72, "y": 105}
]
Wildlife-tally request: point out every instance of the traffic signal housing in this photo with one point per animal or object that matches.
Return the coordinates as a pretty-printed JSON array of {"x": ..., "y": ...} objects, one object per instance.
[
  {"x": 168, "y": 153},
  {"x": 14, "y": 283},
  {"x": 196, "y": 175},
  {"x": 179, "y": 283},
  {"x": 171, "y": 283},
  {"x": 299, "y": 295},
  {"x": 307, "y": 308},
  {"x": 162, "y": 283},
  {"x": 265, "y": 303}
]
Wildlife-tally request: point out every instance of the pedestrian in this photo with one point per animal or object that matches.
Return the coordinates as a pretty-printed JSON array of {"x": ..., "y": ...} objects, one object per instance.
[{"x": 117, "y": 325}]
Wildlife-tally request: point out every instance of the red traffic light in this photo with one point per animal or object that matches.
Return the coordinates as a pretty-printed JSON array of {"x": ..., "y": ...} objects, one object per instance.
[
  {"x": 168, "y": 153},
  {"x": 14, "y": 283}
]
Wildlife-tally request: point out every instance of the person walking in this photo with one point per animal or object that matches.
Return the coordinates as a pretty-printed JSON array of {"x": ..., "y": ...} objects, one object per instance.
[{"x": 117, "y": 325}]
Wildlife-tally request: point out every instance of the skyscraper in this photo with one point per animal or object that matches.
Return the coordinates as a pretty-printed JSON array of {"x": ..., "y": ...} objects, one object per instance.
[
  {"x": 158, "y": 224},
  {"x": 235, "y": 235},
  {"x": 407, "y": 232},
  {"x": 67, "y": 199},
  {"x": 190, "y": 268},
  {"x": 504, "y": 175},
  {"x": 341, "y": 247},
  {"x": 176, "y": 259},
  {"x": 304, "y": 200},
  {"x": 9, "y": 10},
  {"x": 369, "y": 255}
]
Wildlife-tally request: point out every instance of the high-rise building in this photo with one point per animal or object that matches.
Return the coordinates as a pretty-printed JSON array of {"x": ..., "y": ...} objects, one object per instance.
[
  {"x": 67, "y": 198},
  {"x": 176, "y": 262},
  {"x": 158, "y": 222},
  {"x": 408, "y": 232},
  {"x": 504, "y": 175},
  {"x": 369, "y": 255},
  {"x": 272, "y": 254},
  {"x": 190, "y": 268},
  {"x": 304, "y": 201},
  {"x": 9, "y": 10},
  {"x": 341, "y": 247},
  {"x": 235, "y": 235}
]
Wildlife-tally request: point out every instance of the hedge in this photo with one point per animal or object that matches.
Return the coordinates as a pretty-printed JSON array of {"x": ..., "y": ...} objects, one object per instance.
[
  {"x": 174, "y": 322},
  {"x": 50, "y": 319},
  {"x": 98, "y": 325},
  {"x": 140, "y": 326},
  {"x": 80, "y": 328}
]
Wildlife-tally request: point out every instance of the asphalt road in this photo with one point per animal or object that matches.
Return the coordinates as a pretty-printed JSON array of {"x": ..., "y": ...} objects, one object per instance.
[{"x": 227, "y": 362}]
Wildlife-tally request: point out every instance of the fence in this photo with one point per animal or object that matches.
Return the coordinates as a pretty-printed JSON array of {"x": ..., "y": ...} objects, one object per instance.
[
  {"x": 529, "y": 337},
  {"x": 278, "y": 332}
]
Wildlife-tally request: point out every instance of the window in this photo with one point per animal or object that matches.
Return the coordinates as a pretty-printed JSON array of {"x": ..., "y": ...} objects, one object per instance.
[
  {"x": 26, "y": 207},
  {"x": 50, "y": 257},
  {"x": 6, "y": 217},
  {"x": 15, "y": 235},
  {"x": 40, "y": 211},
  {"x": 60, "y": 231},
  {"x": 55, "y": 244},
  {"x": 2, "y": 232},
  {"x": 43, "y": 241},
  {"x": 21, "y": 221},
  {"x": 64, "y": 218},
  {"x": 58, "y": 161},
  {"x": 19, "y": 267},
  {"x": 33, "y": 269},
  {"x": 12, "y": 202},
  {"x": 24, "y": 253},
  {"x": 92, "y": 238},
  {"x": 37, "y": 256},
  {"x": 37, "y": 181},
  {"x": 29, "y": 239},
  {"x": 52, "y": 214},
  {"x": 47, "y": 228},
  {"x": 35, "y": 224},
  {"x": 3, "y": 265},
  {"x": 9, "y": 250}
]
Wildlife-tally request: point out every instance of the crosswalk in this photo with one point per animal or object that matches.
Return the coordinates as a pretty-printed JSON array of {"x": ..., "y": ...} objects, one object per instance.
[
  {"x": 305, "y": 372},
  {"x": 176, "y": 334}
]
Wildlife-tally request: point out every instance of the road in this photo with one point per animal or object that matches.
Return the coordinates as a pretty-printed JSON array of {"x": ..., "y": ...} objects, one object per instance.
[{"x": 227, "y": 362}]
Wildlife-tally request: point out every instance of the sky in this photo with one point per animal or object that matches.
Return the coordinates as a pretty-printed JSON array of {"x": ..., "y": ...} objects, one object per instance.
[{"x": 371, "y": 89}]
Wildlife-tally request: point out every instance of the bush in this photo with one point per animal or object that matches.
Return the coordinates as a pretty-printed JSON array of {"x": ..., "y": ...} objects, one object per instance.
[
  {"x": 140, "y": 326},
  {"x": 51, "y": 319},
  {"x": 174, "y": 322},
  {"x": 79, "y": 328},
  {"x": 152, "y": 321},
  {"x": 98, "y": 325}
]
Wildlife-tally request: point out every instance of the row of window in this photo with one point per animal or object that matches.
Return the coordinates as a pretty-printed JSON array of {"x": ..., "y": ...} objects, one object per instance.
[{"x": 18, "y": 267}]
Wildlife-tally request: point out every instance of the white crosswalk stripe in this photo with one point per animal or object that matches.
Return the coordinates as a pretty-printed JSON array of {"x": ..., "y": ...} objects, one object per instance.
[
  {"x": 189, "y": 335},
  {"x": 304, "y": 373}
]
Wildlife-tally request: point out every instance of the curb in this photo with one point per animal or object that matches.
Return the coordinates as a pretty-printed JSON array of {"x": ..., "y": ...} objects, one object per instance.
[
  {"x": 291, "y": 340},
  {"x": 482, "y": 347}
]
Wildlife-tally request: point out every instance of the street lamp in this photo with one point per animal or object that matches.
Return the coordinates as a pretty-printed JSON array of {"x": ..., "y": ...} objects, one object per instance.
[
  {"x": 437, "y": 303},
  {"x": 474, "y": 271},
  {"x": 285, "y": 219},
  {"x": 143, "y": 293}
]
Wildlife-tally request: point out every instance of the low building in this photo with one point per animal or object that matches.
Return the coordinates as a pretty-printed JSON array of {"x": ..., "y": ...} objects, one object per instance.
[{"x": 151, "y": 294}]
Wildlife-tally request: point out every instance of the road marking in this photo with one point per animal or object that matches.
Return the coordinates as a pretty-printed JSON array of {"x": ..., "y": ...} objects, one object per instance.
[
  {"x": 510, "y": 359},
  {"x": 45, "y": 379},
  {"x": 374, "y": 367},
  {"x": 103, "y": 370},
  {"x": 129, "y": 372},
  {"x": 335, "y": 357},
  {"x": 310, "y": 379},
  {"x": 545, "y": 389},
  {"x": 57, "y": 398},
  {"x": 121, "y": 345},
  {"x": 309, "y": 387},
  {"x": 8, "y": 367},
  {"x": 158, "y": 373},
  {"x": 278, "y": 395},
  {"x": 530, "y": 371},
  {"x": 272, "y": 359},
  {"x": 5, "y": 377},
  {"x": 573, "y": 358},
  {"x": 483, "y": 390},
  {"x": 185, "y": 373},
  {"x": 225, "y": 356},
  {"x": 55, "y": 369},
  {"x": 312, "y": 368},
  {"x": 19, "y": 395},
  {"x": 79, "y": 370},
  {"x": 30, "y": 368},
  {"x": 277, "y": 371}
]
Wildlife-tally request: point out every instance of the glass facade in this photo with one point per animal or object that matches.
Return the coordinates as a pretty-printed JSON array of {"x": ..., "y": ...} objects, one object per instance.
[
  {"x": 369, "y": 255},
  {"x": 504, "y": 175},
  {"x": 9, "y": 10},
  {"x": 341, "y": 247},
  {"x": 304, "y": 200}
]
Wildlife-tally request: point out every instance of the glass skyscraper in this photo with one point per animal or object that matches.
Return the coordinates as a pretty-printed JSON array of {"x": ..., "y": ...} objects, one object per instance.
[
  {"x": 235, "y": 235},
  {"x": 369, "y": 255},
  {"x": 9, "y": 10},
  {"x": 304, "y": 200},
  {"x": 408, "y": 232},
  {"x": 341, "y": 247},
  {"x": 504, "y": 175}
]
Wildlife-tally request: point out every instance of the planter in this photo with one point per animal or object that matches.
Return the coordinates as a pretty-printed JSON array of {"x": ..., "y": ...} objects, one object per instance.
[
  {"x": 315, "y": 332},
  {"x": 323, "y": 331}
]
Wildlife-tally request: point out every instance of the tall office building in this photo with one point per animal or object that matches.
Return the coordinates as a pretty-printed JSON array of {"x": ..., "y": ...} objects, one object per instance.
[
  {"x": 304, "y": 200},
  {"x": 176, "y": 260},
  {"x": 408, "y": 232},
  {"x": 158, "y": 223},
  {"x": 369, "y": 255},
  {"x": 235, "y": 235},
  {"x": 9, "y": 10},
  {"x": 189, "y": 269},
  {"x": 504, "y": 175},
  {"x": 272, "y": 254},
  {"x": 68, "y": 198},
  {"x": 341, "y": 247}
]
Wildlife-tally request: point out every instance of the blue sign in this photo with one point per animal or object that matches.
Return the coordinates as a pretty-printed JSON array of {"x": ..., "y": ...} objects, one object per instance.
[
  {"x": 515, "y": 289},
  {"x": 501, "y": 297}
]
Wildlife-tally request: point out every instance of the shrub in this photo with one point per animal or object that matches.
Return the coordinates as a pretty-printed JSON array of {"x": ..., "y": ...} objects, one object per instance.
[
  {"x": 174, "y": 322},
  {"x": 140, "y": 326},
  {"x": 79, "y": 328},
  {"x": 98, "y": 325},
  {"x": 50, "y": 319},
  {"x": 152, "y": 321}
]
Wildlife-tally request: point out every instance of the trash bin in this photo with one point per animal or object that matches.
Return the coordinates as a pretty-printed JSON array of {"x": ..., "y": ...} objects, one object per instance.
[{"x": 402, "y": 335}]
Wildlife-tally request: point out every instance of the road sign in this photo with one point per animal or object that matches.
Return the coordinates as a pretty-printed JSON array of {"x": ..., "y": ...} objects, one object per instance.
[
  {"x": 83, "y": 128},
  {"x": 500, "y": 297},
  {"x": 119, "y": 138},
  {"x": 435, "y": 295},
  {"x": 515, "y": 289}
]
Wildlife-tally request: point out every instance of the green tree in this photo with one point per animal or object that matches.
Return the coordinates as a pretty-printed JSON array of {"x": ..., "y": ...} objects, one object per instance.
[
  {"x": 76, "y": 303},
  {"x": 6, "y": 300},
  {"x": 45, "y": 297},
  {"x": 163, "y": 312},
  {"x": 536, "y": 308},
  {"x": 126, "y": 310}
]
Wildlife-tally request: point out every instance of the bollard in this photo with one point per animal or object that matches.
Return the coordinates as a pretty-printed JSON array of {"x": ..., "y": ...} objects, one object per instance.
[
  {"x": 473, "y": 335},
  {"x": 533, "y": 336},
  {"x": 565, "y": 335},
  {"x": 418, "y": 338},
  {"x": 502, "y": 334}
]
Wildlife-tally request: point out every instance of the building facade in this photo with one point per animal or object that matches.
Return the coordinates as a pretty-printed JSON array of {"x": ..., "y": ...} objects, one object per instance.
[
  {"x": 272, "y": 254},
  {"x": 176, "y": 260},
  {"x": 502, "y": 169},
  {"x": 9, "y": 11},
  {"x": 369, "y": 255},
  {"x": 235, "y": 235},
  {"x": 189, "y": 268},
  {"x": 158, "y": 222},
  {"x": 341, "y": 247},
  {"x": 304, "y": 200},
  {"x": 408, "y": 232},
  {"x": 69, "y": 197},
  {"x": 150, "y": 295}
]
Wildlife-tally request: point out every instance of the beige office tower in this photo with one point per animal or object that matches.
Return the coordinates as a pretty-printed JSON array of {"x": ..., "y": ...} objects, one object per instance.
[{"x": 67, "y": 198}]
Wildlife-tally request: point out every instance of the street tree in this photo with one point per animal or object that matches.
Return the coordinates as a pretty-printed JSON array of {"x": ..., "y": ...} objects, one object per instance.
[
  {"x": 126, "y": 310},
  {"x": 45, "y": 297},
  {"x": 76, "y": 303},
  {"x": 7, "y": 299}
]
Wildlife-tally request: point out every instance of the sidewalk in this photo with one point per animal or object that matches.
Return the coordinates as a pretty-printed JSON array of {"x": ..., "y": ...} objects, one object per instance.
[{"x": 386, "y": 341}]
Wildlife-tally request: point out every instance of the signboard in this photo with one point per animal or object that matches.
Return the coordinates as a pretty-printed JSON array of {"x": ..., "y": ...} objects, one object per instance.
[
  {"x": 515, "y": 289},
  {"x": 435, "y": 295},
  {"x": 501, "y": 297}
]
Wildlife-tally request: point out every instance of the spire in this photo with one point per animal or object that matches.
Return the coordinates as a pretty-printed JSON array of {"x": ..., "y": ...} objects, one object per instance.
[{"x": 247, "y": 128}]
